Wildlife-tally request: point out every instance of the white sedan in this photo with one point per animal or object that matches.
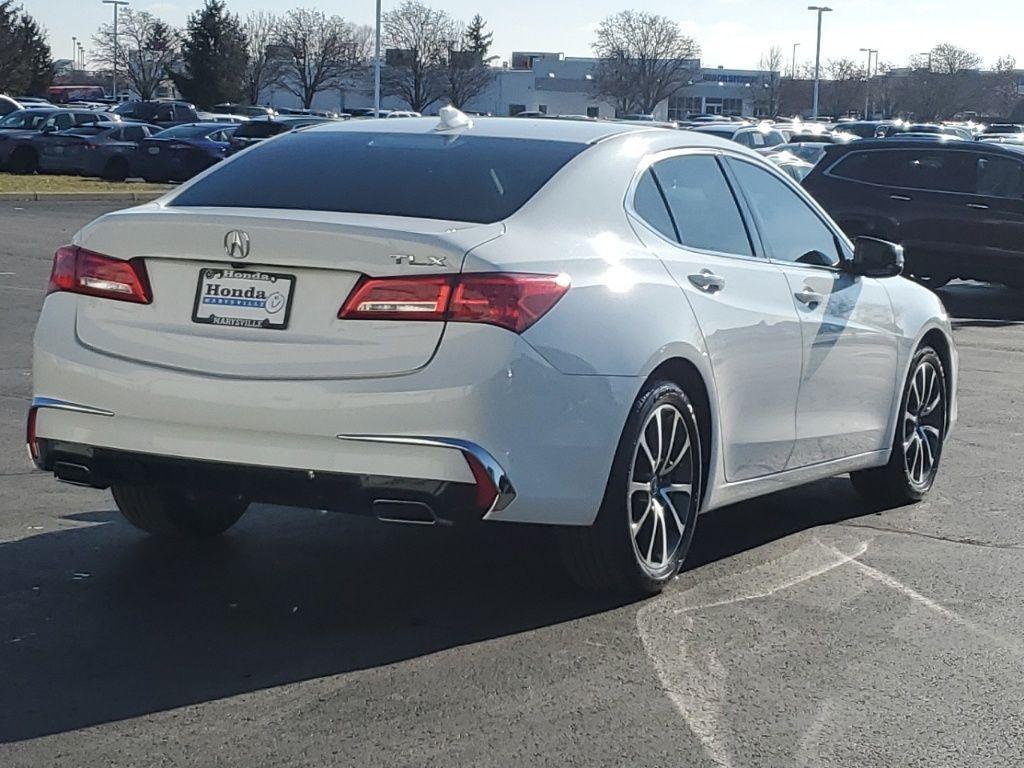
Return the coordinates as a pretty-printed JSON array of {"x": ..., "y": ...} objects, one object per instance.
[{"x": 603, "y": 327}]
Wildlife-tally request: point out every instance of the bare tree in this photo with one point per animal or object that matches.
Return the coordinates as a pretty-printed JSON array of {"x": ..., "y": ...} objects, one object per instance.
[
  {"x": 420, "y": 40},
  {"x": 146, "y": 50},
  {"x": 770, "y": 85},
  {"x": 264, "y": 68},
  {"x": 644, "y": 60},
  {"x": 843, "y": 88},
  {"x": 1005, "y": 92},
  {"x": 318, "y": 52},
  {"x": 467, "y": 73},
  {"x": 949, "y": 59}
]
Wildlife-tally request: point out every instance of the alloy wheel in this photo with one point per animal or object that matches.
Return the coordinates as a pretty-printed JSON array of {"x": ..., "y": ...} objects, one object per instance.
[
  {"x": 923, "y": 424},
  {"x": 661, "y": 486}
]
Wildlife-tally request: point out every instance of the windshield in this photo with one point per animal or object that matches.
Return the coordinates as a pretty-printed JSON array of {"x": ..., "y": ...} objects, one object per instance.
[
  {"x": 26, "y": 118},
  {"x": 185, "y": 132},
  {"x": 460, "y": 178}
]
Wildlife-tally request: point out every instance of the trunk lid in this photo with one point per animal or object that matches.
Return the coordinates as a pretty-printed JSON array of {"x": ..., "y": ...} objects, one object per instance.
[{"x": 321, "y": 255}]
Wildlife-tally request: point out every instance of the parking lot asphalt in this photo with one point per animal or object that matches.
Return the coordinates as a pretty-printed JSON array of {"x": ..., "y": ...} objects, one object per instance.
[{"x": 805, "y": 631}]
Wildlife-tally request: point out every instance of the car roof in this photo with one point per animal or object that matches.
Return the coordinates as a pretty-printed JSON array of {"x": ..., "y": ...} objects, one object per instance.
[
  {"x": 940, "y": 146},
  {"x": 724, "y": 129},
  {"x": 579, "y": 131}
]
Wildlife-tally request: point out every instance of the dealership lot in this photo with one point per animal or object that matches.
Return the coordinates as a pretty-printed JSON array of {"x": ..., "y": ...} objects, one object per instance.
[{"x": 806, "y": 630}]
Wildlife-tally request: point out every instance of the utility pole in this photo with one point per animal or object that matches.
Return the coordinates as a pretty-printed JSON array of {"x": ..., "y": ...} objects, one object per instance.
[
  {"x": 74, "y": 53},
  {"x": 116, "y": 4},
  {"x": 81, "y": 56},
  {"x": 821, "y": 9},
  {"x": 795, "y": 46},
  {"x": 867, "y": 79},
  {"x": 376, "y": 67}
]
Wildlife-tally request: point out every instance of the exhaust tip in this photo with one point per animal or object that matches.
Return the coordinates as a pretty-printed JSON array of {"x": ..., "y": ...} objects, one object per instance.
[
  {"x": 75, "y": 474},
  {"x": 399, "y": 511}
]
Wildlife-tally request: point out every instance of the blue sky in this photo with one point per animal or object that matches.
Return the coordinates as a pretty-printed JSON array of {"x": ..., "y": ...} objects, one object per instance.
[{"x": 732, "y": 33}]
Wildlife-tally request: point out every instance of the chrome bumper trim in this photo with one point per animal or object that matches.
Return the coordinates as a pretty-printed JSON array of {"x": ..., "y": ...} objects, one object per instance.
[
  {"x": 64, "y": 405},
  {"x": 506, "y": 491}
]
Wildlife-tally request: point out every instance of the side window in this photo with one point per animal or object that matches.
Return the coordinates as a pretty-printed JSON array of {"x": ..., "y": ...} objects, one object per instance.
[
  {"x": 81, "y": 119},
  {"x": 650, "y": 206},
  {"x": 1000, "y": 177},
  {"x": 63, "y": 121},
  {"x": 938, "y": 171},
  {"x": 790, "y": 229},
  {"x": 133, "y": 133},
  {"x": 878, "y": 167},
  {"x": 744, "y": 138},
  {"x": 165, "y": 113},
  {"x": 702, "y": 204}
]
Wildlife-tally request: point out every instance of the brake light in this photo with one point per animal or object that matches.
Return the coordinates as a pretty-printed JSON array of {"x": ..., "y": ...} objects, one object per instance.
[
  {"x": 30, "y": 434},
  {"x": 77, "y": 270},
  {"x": 509, "y": 300}
]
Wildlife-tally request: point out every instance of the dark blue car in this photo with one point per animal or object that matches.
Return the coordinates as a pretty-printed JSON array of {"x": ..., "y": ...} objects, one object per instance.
[{"x": 179, "y": 153}]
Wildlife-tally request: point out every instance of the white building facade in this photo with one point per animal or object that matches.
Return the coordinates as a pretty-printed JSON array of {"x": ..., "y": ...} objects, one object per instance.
[{"x": 556, "y": 84}]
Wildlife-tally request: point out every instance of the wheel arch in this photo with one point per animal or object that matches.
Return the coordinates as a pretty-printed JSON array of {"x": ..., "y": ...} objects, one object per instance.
[{"x": 684, "y": 372}]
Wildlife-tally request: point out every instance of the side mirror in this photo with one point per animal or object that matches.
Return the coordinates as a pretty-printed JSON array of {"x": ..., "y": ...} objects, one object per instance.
[{"x": 875, "y": 258}]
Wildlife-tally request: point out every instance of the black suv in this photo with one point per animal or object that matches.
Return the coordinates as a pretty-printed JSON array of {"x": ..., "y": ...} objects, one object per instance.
[
  {"x": 162, "y": 113},
  {"x": 957, "y": 208}
]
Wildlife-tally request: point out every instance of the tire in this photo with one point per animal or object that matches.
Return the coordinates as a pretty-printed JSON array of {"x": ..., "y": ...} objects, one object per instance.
[
  {"x": 176, "y": 514},
  {"x": 24, "y": 160},
  {"x": 116, "y": 169},
  {"x": 917, "y": 444},
  {"x": 618, "y": 553}
]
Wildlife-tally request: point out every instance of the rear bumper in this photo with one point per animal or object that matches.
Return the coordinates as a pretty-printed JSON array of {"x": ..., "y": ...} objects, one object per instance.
[{"x": 552, "y": 436}]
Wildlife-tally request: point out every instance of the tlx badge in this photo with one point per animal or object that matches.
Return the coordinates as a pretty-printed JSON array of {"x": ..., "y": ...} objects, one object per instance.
[{"x": 421, "y": 261}]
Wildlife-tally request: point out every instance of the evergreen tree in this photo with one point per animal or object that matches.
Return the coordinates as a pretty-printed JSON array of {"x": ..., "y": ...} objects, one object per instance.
[
  {"x": 214, "y": 57},
  {"x": 26, "y": 66},
  {"x": 477, "y": 40}
]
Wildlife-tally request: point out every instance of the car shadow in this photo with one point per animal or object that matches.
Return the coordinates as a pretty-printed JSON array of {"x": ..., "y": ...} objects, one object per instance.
[
  {"x": 99, "y": 623},
  {"x": 981, "y": 304}
]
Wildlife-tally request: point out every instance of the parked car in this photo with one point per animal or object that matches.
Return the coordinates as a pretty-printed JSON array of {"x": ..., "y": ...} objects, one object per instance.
[
  {"x": 256, "y": 130},
  {"x": 100, "y": 149},
  {"x": 865, "y": 129},
  {"x": 8, "y": 105},
  {"x": 17, "y": 152},
  {"x": 808, "y": 151},
  {"x": 244, "y": 110},
  {"x": 163, "y": 113},
  {"x": 823, "y": 137},
  {"x": 404, "y": 113},
  {"x": 794, "y": 167},
  {"x": 956, "y": 207},
  {"x": 179, "y": 153},
  {"x": 221, "y": 117},
  {"x": 593, "y": 326},
  {"x": 368, "y": 112},
  {"x": 758, "y": 137},
  {"x": 1001, "y": 129}
]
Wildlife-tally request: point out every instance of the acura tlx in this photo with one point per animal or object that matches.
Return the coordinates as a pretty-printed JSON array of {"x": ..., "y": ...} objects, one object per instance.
[{"x": 598, "y": 326}]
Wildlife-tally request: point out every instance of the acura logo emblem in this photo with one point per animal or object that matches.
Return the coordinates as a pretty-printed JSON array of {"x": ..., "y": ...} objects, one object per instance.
[{"x": 236, "y": 244}]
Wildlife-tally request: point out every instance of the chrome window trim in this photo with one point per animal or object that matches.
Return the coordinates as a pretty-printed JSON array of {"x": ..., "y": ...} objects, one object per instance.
[
  {"x": 63, "y": 405},
  {"x": 506, "y": 491},
  {"x": 828, "y": 171},
  {"x": 666, "y": 154}
]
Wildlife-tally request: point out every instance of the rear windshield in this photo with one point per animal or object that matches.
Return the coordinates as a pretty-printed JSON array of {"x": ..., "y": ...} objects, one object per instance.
[
  {"x": 185, "y": 132},
  {"x": 259, "y": 129},
  {"x": 433, "y": 176}
]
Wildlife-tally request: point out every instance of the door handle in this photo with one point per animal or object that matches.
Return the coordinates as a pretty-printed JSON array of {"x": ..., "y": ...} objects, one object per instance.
[
  {"x": 978, "y": 206},
  {"x": 707, "y": 281},
  {"x": 901, "y": 198},
  {"x": 809, "y": 297}
]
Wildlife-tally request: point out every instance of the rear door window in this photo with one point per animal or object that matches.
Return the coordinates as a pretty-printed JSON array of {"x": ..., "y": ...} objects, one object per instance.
[
  {"x": 479, "y": 179},
  {"x": 1000, "y": 177},
  {"x": 937, "y": 170},
  {"x": 702, "y": 205},
  {"x": 876, "y": 167}
]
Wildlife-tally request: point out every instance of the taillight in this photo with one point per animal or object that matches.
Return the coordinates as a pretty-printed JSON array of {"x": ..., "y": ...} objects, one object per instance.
[
  {"x": 30, "y": 434},
  {"x": 486, "y": 490},
  {"x": 77, "y": 270},
  {"x": 509, "y": 300}
]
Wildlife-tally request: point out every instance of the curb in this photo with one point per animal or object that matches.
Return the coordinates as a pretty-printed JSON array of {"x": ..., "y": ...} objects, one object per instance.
[{"x": 81, "y": 197}]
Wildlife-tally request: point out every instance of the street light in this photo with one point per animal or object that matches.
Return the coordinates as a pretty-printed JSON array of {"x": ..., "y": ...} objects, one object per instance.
[
  {"x": 821, "y": 9},
  {"x": 113, "y": 82},
  {"x": 376, "y": 67},
  {"x": 795, "y": 46},
  {"x": 74, "y": 53},
  {"x": 81, "y": 55},
  {"x": 867, "y": 79}
]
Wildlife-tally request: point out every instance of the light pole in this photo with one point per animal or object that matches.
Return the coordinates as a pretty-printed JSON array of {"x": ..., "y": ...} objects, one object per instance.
[
  {"x": 821, "y": 9},
  {"x": 113, "y": 82},
  {"x": 376, "y": 67},
  {"x": 74, "y": 53},
  {"x": 867, "y": 78},
  {"x": 795, "y": 46},
  {"x": 81, "y": 56}
]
